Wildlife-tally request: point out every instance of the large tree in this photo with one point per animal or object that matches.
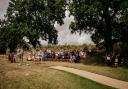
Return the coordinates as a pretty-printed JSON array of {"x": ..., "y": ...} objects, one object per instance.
[
  {"x": 104, "y": 19},
  {"x": 34, "y": 19}
]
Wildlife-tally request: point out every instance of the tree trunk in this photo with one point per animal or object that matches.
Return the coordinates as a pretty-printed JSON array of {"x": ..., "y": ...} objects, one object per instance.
[{"x": 108, "y": 34}]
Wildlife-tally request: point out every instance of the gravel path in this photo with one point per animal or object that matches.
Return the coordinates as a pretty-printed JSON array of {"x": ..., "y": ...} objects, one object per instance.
[{"x": 95, "y": 77}]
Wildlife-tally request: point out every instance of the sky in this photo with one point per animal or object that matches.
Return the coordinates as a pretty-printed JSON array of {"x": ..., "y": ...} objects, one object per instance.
[{"x": 64, "y": 34}]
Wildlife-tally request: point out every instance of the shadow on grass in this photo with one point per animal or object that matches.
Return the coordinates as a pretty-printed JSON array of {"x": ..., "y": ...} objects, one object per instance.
[{"x": 95, "y": 60}]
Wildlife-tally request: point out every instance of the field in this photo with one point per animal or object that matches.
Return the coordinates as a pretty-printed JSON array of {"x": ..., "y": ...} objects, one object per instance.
[
  {"x": 29, "y": 75},
  {"x": 39, "y": 76}
]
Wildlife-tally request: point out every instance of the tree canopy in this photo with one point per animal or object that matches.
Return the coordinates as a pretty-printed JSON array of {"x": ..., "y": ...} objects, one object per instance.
[
  {"x": 33, "y": 19},
  {"x": 106, "y": 20}
]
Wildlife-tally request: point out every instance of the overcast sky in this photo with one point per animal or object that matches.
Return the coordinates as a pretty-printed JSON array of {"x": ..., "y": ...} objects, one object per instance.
[{"x": 64, "y": 35}]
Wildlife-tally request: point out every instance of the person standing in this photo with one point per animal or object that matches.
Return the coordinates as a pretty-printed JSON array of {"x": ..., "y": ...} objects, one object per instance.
[
  {"x": 116, "y": 61},
  {"x": 71, "y": 56},
  {"x": 77, "y": 60},
  {"x": 108, "y": 59},
  {"x": 21, "y": 54},
  {"x": 18, "y": 55},
  {"x": 33, "y": 52},
  {"x": 11, "y": 57}
]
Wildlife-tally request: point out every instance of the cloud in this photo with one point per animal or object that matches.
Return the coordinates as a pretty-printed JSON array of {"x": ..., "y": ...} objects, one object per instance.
[
  {"x": 64, "y": 34},
  {"x": 3, "y": 7}
]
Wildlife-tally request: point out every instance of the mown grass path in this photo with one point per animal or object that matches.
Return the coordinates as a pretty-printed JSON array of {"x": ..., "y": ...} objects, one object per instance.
[{"x": 95, "y": 77}]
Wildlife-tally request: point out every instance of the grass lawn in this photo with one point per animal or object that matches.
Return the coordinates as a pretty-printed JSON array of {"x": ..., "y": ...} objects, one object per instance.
[
  {"x": 117, "y": 73},
  {"x": 39, "y": 76},
  {"x": 120, "y": 73}
]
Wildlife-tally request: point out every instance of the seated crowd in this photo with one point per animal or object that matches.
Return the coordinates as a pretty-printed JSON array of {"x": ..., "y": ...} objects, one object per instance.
[{"x": 38, "y": 55}]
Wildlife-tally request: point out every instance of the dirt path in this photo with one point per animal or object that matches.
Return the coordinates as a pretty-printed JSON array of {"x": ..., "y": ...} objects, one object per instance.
[{"x": 95, "y": 77}]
